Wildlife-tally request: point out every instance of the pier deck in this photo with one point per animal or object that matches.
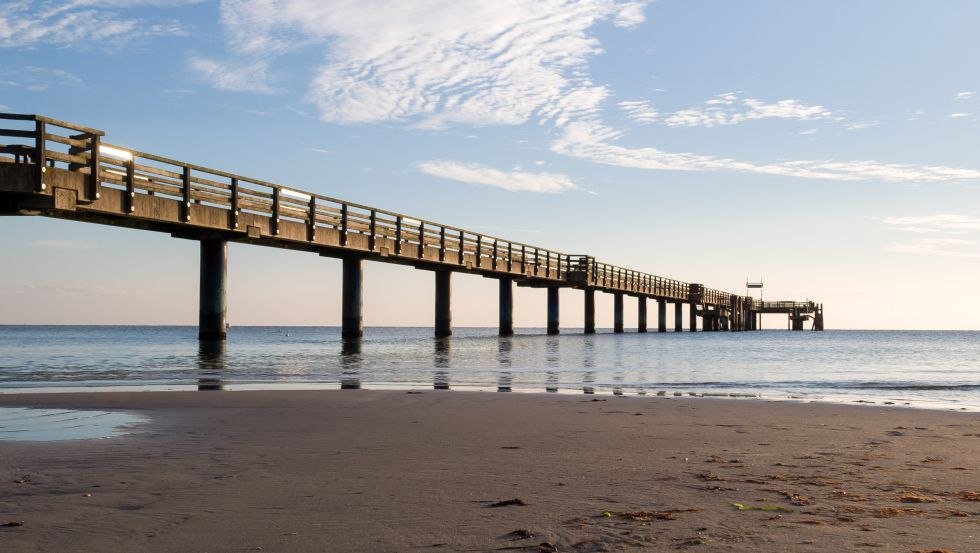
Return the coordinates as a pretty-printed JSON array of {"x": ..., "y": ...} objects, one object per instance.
[{"x": 59, "y": 169}]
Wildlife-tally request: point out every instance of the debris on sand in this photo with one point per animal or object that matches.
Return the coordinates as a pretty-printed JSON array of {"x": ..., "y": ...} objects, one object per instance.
[{"x": 508, "y": 503}]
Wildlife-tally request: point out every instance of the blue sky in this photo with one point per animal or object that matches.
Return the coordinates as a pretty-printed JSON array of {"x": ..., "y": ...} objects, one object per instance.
[{"x": 830, "y": 147}]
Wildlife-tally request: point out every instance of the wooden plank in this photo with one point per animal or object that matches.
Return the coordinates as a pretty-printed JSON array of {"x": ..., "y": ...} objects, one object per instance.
[{"x": 15, "y": 133}]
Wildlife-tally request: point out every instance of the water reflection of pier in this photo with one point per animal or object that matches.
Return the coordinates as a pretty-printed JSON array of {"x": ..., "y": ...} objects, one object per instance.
[
  {"x": 210, "y": 364},
  {"x": 440, "y": 380},
  {"x": 350, "y": 364}
]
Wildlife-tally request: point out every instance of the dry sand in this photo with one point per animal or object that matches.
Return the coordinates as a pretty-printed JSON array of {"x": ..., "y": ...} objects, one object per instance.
[{"x": 396, "y": 471}]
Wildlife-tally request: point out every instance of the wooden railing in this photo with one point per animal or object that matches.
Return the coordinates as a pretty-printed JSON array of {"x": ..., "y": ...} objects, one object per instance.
[{"x": 363, "y": 227}]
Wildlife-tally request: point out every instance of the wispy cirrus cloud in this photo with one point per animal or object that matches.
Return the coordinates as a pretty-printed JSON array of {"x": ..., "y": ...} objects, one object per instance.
[
  {"x": 82, "y": 23},
  {"x": 948, "y": 224},
  {"x": 514, "y": 181},
  {"x": 248, "y": 76},
  {"x": 593, "y": 141},
  {"x": 640, "y": 111},
  {"x": 38, "y": 79},
  {"x": 438, "y": 63},
  {"x": 729, "y": 109},
  {"x": 966, "y": 95},
  {"x": 434, "y": 63},
  {"x": 944, "y": 247}
]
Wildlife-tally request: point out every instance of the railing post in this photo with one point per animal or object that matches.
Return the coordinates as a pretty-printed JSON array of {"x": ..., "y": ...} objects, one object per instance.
[
  {"x": 523, "y": 260},
  {"x": 311, "y": 220},
  {"x": 343, "y": 224},
  {"x": 186, "y": 193},
  {"x": 234, "y": 204},
  {"x": 130, "y": 185},
  {"x": 479, "y": 250},
  {"x": 95, "y": 190},
  {"x": 40, "y": 143},
  {"x": 421, "y": 239},
  {"x": 276, "y": 199},
  {"x": 442, "y": 243},
  {"x": 510, "y": 256},
  {"x": 398, "y": 235},
  {"x": 372, "y": 241},
  {"x": 461, "y": 248},
  {"x": 495, "y": 253}
]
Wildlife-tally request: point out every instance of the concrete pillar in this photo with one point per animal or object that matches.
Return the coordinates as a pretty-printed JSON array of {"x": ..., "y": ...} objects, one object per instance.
[
  {"x": 352, "y": 320},
  {"x": 552, "y": 310},
  {"x": 590, "y": 311},
  {"x": 661, "y": 316},
  {"x": 444, "y": 315},
  {"x": 678, "y": 317},
  {"x": 641, "y": 314},
  {"x": 506, "y": 307},
  {"x": 212, "y": 321},
  {"x": 618, "y": 312},
  {"x": 692, "y": 317}
]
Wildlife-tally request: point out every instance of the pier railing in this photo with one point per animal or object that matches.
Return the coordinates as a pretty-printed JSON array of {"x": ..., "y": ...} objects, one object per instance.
[{"x": 132, "y": 175}]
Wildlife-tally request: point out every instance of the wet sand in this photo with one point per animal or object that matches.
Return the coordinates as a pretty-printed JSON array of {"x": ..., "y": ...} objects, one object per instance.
[{"x": 359, "y": 470}]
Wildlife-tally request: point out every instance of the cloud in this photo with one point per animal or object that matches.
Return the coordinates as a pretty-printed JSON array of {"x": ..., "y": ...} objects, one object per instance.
[
  {"x": 82, "y": 23},
  {"x": 595, "y": 142},
  {"x": 809, "y": 132},
  {"x": 639, "y": 111},
  {"x": 434, "y": 63},
  {"x": 473, "y": 173},
  {"x": 728, "y": 109},
  {"x": 948, "y": 223},
  {"x": 37, "y": 79},
  {"x": 941, "y": 223},
  {"x": 965, "y": 95},
  {"x": 959, "y": 115},
  {"x": 944, "y": 247},
  {"x": 252, "y": 76}
]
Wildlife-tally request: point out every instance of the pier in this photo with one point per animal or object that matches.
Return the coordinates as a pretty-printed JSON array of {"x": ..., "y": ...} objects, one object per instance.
[{"x": 58, "y": 169}]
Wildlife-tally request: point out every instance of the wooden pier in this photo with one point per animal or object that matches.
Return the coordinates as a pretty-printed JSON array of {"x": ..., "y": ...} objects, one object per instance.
[{"x": 59, "y": 169}]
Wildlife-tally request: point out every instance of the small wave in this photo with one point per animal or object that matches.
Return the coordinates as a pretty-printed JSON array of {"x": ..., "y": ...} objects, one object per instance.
[{"x": 903, "y": 386}]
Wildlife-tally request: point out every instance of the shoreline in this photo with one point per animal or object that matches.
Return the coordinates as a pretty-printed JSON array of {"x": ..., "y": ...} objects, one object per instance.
[
  {"x": 368, "y": 470},
  {"x": 655, "y": 393}
]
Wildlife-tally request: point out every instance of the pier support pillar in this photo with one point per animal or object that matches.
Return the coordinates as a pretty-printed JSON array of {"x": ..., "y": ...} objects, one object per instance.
[
  {"x": 444, "y": 317},
  {"x": 618, "y": 312},
  {"x": 590, "y": 311},
  {"x": 692, "y": 317},
  {"x": 506, "y": 307},
  {"x": 641, "y": 314},
  {"x": 352, "y": 322},
  {"x": 678, "y": 317},
  {"x": 212, "y": 321},
  {"x": 661, "y": 316},
  {"x": 553, "y": 310}
]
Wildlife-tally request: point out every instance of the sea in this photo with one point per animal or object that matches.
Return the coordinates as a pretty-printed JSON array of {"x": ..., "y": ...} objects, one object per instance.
[{"x": 915, "y": 369}]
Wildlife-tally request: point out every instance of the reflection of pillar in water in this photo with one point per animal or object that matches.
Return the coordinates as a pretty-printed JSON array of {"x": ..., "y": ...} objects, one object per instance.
[
  {"x": 588, "y": 360},
  {"x": 210, "y": 364},
  {"x": 551, "y": 348},
  {"x": 350, "y": 364},
  {"x": 440, "y": 381},
  {"x": 505, "y": 346}
]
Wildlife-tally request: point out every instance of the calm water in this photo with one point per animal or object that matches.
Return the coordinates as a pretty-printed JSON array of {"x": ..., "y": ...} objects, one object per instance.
[{"x": 927, "y": 368}]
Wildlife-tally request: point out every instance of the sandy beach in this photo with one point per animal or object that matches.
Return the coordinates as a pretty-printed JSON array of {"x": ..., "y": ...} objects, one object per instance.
[{"x": 359, "y": 470}]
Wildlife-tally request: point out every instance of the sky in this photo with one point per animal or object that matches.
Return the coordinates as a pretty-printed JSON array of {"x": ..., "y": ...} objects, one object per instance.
[{"x": 829, "y": 148}]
